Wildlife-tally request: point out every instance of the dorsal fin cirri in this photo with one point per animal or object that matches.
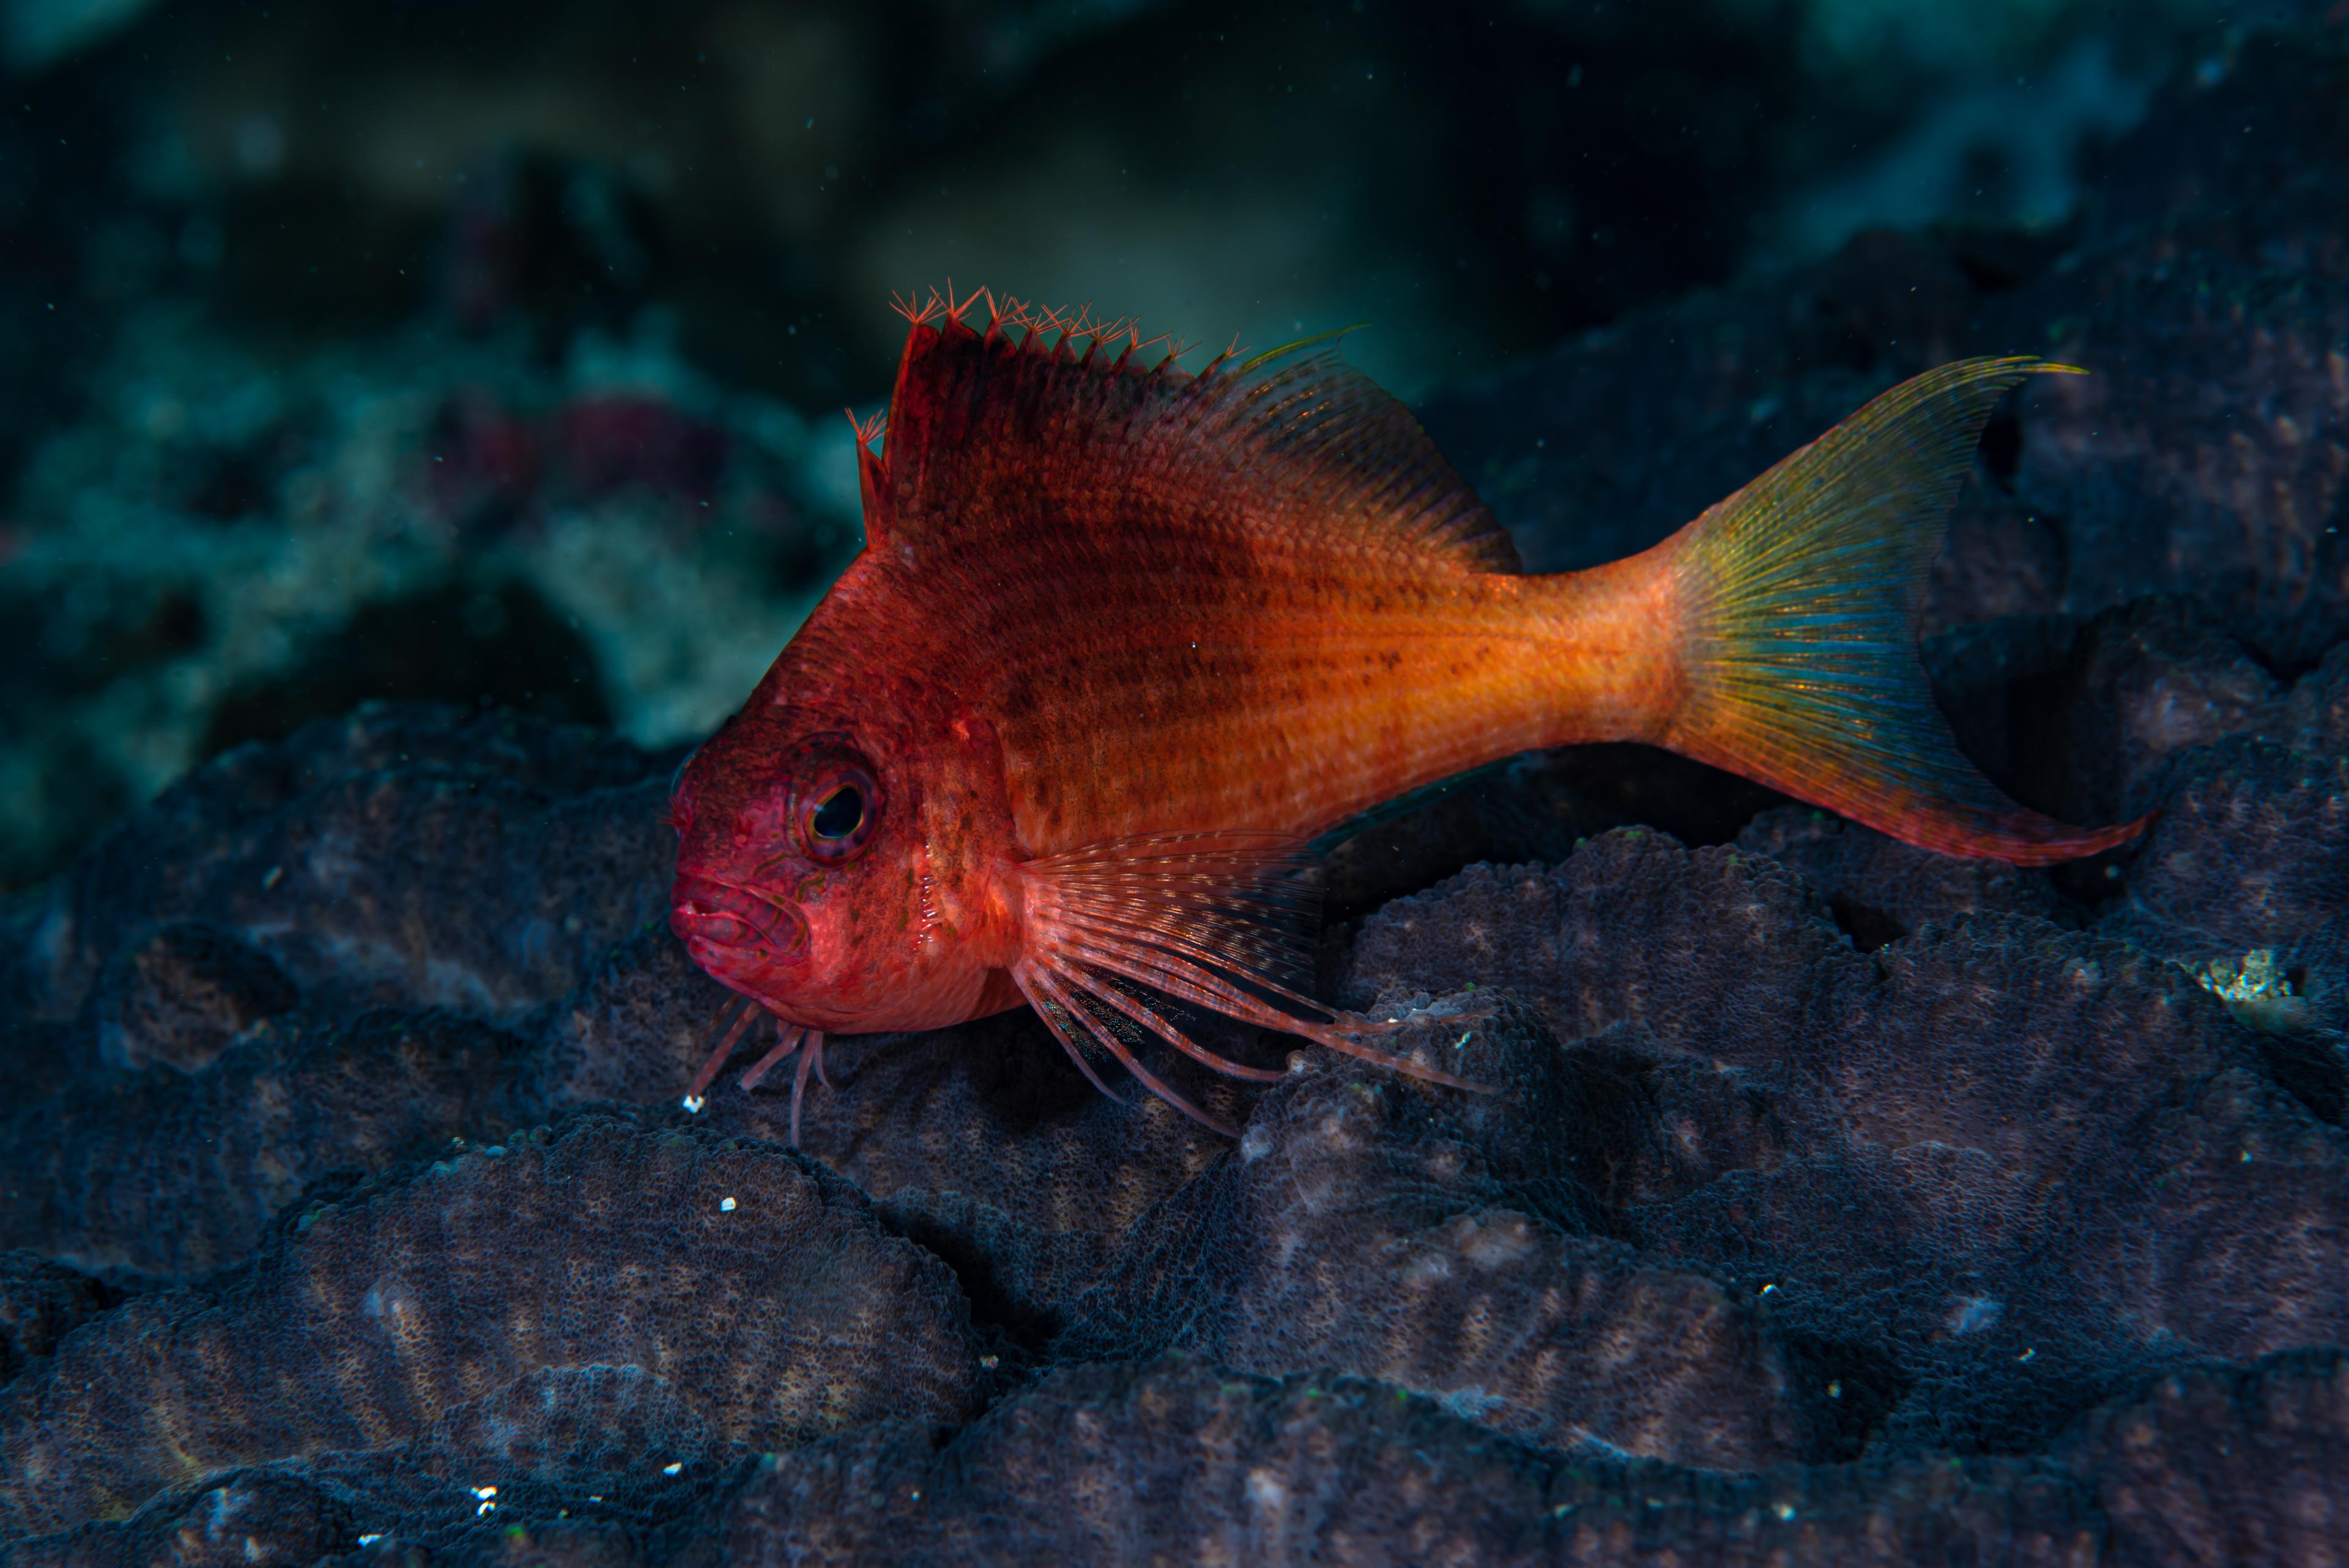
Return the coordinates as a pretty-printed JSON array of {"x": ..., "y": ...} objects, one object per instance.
[{"x": 1036, "y": 410}]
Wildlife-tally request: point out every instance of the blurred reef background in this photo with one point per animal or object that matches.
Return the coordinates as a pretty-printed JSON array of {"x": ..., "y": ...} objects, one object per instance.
[
  {"x": 421, "y": 424},
  {"x": 497, "y": 356}
]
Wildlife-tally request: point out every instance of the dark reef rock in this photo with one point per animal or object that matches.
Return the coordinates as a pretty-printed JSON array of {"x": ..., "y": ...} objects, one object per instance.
[
  {"x": 763, "y": 1296},
  {"x": 188, "y": 991},
  {"x": 40, "y": 1301},
  {"x": 1832, "y": 1202},
  {"x": 1806, "y": 1151},
  {"x": 979, "y": 1142},
  {"x": 1991, "y": 1098},
  {"x": 1879, "y": 888},
  {"x": 2251, "y": 850},
  {"x": 1367, "y": 1229},
  {"x": 2207, "y": 456},
  {"x": 162, "y": 1173},
  {"x": 2207, "y": 1468},
  {"x": 280, "y": 846}
]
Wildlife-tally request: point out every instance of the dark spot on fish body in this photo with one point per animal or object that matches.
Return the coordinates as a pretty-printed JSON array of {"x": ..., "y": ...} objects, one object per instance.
[{"x": 1016, "y": 704}]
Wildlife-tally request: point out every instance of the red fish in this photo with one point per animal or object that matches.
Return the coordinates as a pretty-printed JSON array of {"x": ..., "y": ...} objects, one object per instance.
[{"x": 1123, "y": 640}]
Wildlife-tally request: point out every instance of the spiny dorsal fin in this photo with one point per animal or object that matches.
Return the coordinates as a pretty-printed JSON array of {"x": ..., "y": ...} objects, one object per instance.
[{"x": 1037, "y": 409}]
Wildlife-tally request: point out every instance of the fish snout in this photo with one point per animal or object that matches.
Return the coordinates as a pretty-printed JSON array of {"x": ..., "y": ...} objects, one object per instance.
[{"x": 704, "y": 913}]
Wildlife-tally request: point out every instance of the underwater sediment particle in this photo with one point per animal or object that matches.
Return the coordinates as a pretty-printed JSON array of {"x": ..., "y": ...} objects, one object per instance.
[
  {"x": 404, "y": 856},
  {"x": 376, "y": 1313}
]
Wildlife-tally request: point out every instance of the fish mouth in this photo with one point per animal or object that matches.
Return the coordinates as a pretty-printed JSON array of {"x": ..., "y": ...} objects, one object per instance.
[{"x": 722, "y": 918}]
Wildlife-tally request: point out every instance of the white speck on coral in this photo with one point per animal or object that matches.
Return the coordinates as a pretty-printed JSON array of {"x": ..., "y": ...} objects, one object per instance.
[
  {"x": 672, "y": 1470},
  {"x": 1472, "y": 1402},
  {"x": 726, "y": 1205},
  {"x": 693, "y": 1104},
  {"x": 1971, "y": 1314}
]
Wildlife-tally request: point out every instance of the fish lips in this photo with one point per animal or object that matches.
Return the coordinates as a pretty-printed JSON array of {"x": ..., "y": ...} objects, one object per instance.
[{"x": 722, "y": 924}]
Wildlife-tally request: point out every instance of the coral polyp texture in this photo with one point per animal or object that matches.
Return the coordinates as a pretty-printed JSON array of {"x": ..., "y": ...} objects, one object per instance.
[{"x": 1834, "y": 1202}]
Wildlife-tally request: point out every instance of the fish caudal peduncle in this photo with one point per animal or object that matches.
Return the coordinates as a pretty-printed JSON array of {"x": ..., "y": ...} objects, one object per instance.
[{"x": 1124, "y": 640}]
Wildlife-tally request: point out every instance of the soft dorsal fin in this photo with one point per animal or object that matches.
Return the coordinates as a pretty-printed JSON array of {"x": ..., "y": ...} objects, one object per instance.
[{"x": 1037, "y": 411}]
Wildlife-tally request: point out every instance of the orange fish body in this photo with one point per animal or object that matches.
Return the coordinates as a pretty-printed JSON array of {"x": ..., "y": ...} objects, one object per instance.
[{"x": 1121, "y": 640}]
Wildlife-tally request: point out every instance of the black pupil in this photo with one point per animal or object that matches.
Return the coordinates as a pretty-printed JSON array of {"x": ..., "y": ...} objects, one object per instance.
[{"x": 838, "y": 813}]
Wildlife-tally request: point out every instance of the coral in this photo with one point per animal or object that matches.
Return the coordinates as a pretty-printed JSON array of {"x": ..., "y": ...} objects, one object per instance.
[
  {"x": 277, "y": 846},
  {"x": 1879, "y": 888},
  {"x": 761, "y": 1293},
  {"x": 164, "y": 1173},
  {"x": 1993, "y": 1096},
  {"x": 2251, "y": 852},
  {"x": 222, "y": 549},
  {"x": 184, "y": 994},
  {"x": 1448, "y": 1249},
  {"x": 39, "y": 1301},
  {"x": 2206, "y": 1468},
  {"x": 2201, "y": 286}
]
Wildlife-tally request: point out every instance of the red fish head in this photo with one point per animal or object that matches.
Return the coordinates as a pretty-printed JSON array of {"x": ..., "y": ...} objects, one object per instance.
[{"x": 808, "y": 880}]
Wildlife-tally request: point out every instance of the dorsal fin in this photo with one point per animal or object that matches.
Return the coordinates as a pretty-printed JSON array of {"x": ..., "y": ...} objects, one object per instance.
[
  {"x": 872, "y": 477},
  {"x": 1046, "y": 409}
]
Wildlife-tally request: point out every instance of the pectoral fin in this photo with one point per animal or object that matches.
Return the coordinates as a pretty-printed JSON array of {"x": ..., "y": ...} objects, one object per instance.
[{"x": 1220, "y": 921}]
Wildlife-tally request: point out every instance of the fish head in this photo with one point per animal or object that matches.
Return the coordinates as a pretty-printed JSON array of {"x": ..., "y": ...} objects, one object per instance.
[{"x": 811, "y": 879}]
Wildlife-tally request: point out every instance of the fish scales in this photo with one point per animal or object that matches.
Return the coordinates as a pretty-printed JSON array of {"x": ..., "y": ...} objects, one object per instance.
[
  {"x": 1122, "y": 639},
  {"x": 1200, "y": 682}
]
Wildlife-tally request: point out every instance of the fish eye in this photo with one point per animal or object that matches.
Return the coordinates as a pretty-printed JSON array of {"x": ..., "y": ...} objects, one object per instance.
[
  {"x": 839, "y": 813},
  {"x": 837, "y": 807}
]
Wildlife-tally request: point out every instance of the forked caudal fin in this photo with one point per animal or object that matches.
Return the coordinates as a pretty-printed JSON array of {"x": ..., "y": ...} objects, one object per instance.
[{"x": 1799, "y": 599}]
